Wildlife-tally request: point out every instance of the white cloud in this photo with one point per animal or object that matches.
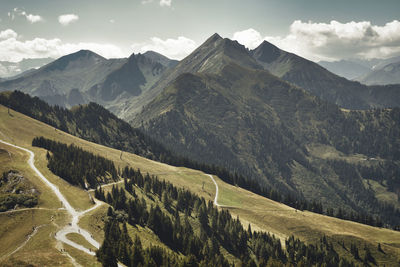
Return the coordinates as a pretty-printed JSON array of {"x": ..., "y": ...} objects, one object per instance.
[
  {"x": 14, "y": 50},
  {"x": 33, "y": 18},
  {"x": 67, "y": 19},
  {"x": 7, "y": 34},
  {"x": 249, "y": 38},
  {"x": 334, "y": 40},
  {"x": 29, "y": 17},
  {"x": 112, "y": 20},
  {"x": 162, "y": 3},
  {"x": 172, "y": 48},
  {"x": 165, "y": 2}
]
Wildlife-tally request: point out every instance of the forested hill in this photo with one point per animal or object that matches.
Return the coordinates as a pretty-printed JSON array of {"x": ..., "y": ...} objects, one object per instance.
[{"x": 91, "y": 122}]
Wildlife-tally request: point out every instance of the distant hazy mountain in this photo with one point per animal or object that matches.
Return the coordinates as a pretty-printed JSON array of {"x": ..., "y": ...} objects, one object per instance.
[
  {"x": 54, "y": 81},
  {"x": 387, "y": 74},
  {"x": 345, "y": 68},
  {"x": 363, "y": 70},
  {"x": 85, "y": 76},
  {"x": 383, "y": 62},
  {"x": 228, "y": 111},
  {"x": 321, "y": 82},
  {"x": 9, "y": 69}
]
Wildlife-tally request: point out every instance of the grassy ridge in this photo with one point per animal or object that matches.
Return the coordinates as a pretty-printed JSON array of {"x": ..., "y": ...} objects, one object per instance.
[{"x": 262, "y": 213}]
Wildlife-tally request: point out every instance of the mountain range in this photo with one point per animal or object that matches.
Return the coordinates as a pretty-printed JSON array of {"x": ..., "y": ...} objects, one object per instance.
[
  {"x": 84, "y": 76},
  {"x": 322, "y": 83},
  {"x": 236, "y": 135},
  {"x": 125, "y": 85},
  {"x": 266, "y": 114},
  {"x": 386, "y": 74}
]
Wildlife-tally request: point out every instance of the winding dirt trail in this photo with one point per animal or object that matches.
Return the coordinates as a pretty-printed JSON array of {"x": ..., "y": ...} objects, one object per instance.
[
  {"x": 216, "y": 190},
  {"x": 73, "y": 226}
]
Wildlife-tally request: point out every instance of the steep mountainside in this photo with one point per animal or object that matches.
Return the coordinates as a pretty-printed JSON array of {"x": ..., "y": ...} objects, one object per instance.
[
  {"x": 210, "y": 57},
  {"x": 388, "y": 74},
  {"x": 251, "y": 121},
  {"x": 322, "y": 83}
]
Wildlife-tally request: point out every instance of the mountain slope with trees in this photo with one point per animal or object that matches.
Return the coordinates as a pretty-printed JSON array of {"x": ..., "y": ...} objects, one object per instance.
[
  {"x": 192, "y": 227},
  {"x": 90, "y": 122},
  {"x": 350, "y": 240},
  {"x": 251, "y": 122}
]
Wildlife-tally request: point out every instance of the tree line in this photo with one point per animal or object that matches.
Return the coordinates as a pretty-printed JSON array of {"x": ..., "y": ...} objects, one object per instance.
[{"x": 75, "y": 165}]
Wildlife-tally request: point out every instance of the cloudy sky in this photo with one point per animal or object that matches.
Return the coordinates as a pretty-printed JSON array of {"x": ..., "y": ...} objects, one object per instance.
[{"x": 315, "y": 29}]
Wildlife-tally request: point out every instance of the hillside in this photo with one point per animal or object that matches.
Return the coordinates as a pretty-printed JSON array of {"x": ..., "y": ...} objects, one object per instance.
[
  {"x": 322, "y": 83},
  {"x": 263, "y": 214},
  {"x": 251, "y": 122},
  {"x": 91, "y": 122}
]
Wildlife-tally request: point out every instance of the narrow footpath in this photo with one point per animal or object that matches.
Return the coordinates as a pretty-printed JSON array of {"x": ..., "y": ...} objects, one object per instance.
[{"x": 73, "y": 226}]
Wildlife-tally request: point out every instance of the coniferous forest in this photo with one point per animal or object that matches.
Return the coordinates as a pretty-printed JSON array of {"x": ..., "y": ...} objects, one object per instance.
[
  {"x": 76, "y": 166},
  {"x": 173, "y": 224}
]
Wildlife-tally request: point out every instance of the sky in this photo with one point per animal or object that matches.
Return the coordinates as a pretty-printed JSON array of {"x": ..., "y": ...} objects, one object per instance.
[{"x": 315, "y": 29}]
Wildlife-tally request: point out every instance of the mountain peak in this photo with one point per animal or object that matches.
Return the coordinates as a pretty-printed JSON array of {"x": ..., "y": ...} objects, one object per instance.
[
  {"x": 62, "y": 62},
  {"x": 213, "y": 38},
  {"x": 86, "y": 52},
  {"x": 82, "y": 54},
  {"x": 154, "y": 54},
  {"x": 163, "y": 60},
  {"x": 266, "y": 52}
]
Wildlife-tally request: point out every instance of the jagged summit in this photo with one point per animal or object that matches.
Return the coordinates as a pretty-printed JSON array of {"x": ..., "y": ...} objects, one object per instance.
[{"x": 266, "y": 52}]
